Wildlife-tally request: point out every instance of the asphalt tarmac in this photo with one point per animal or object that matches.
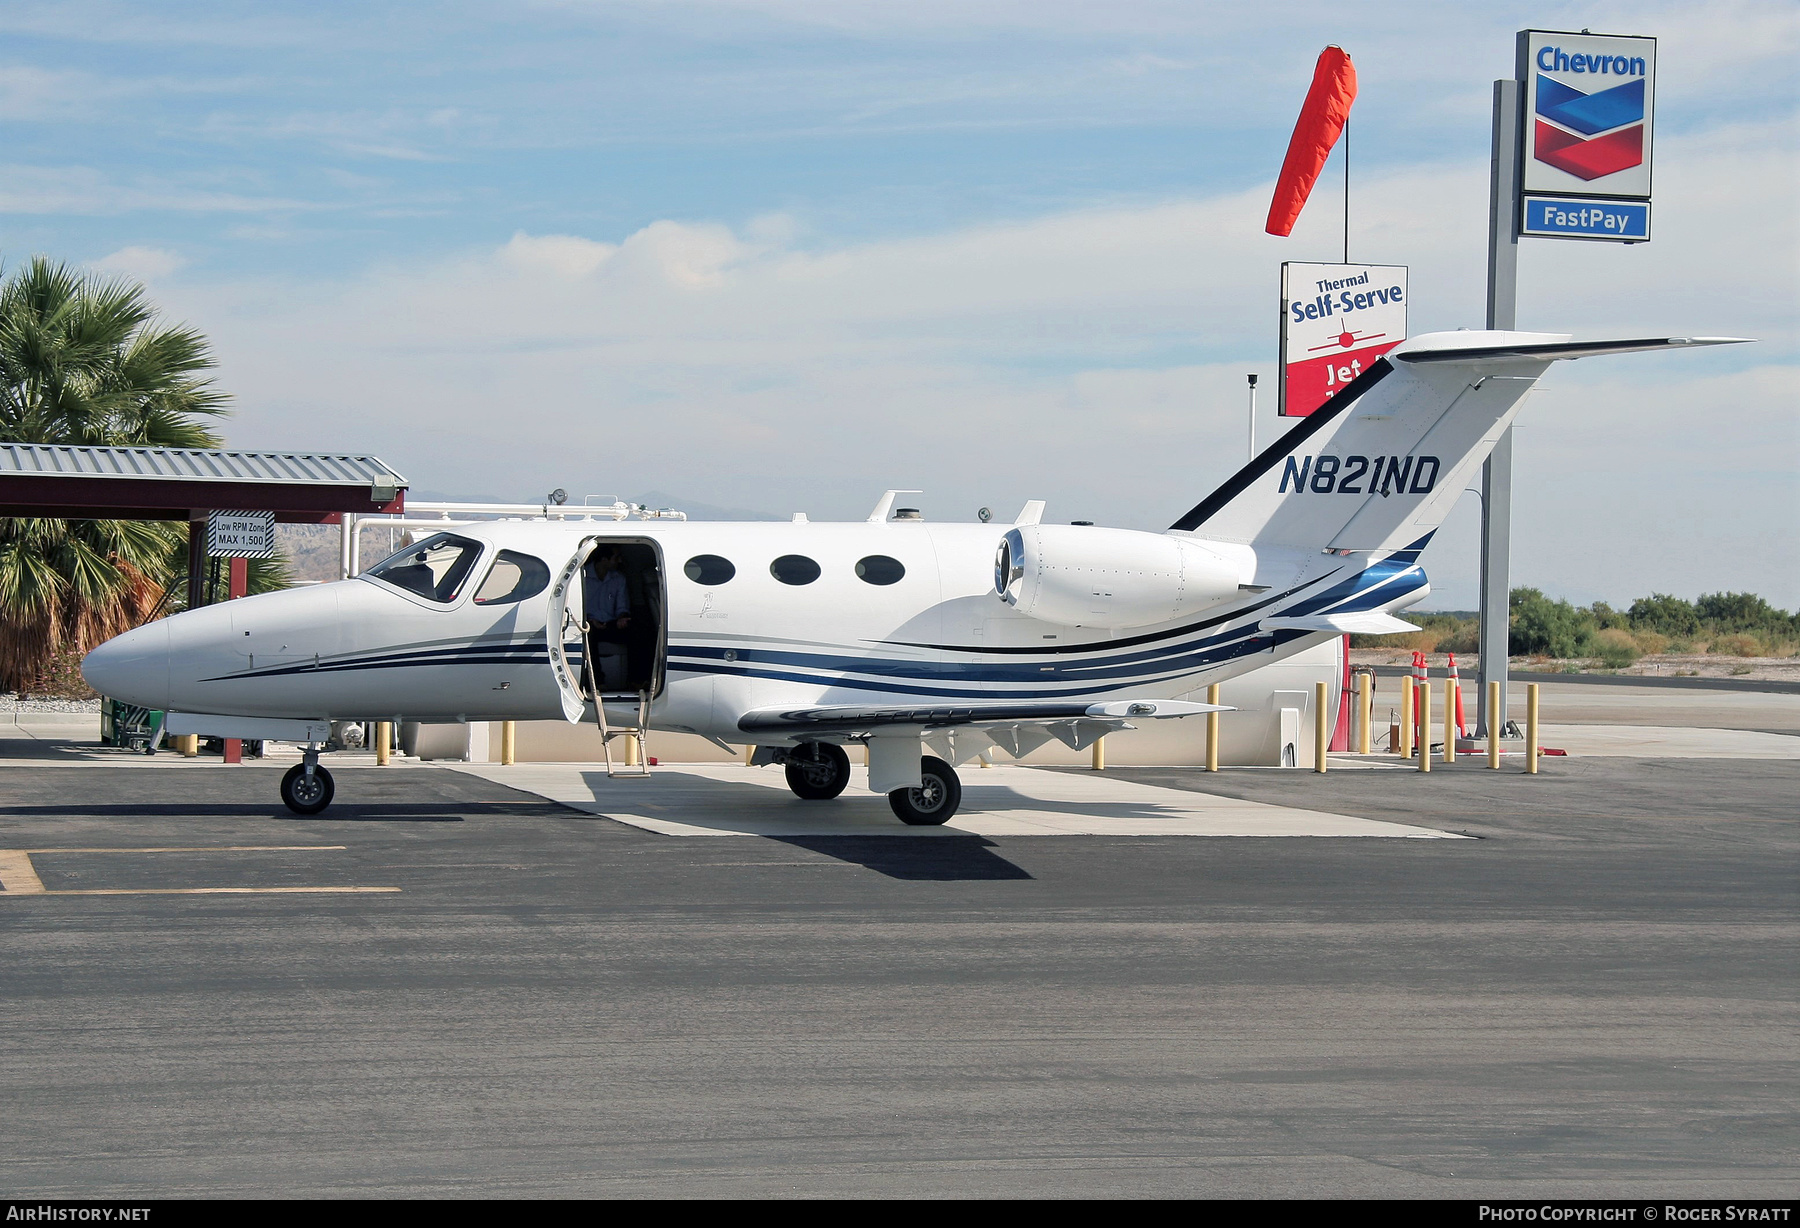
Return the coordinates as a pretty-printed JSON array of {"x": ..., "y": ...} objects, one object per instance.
[{"x": 1595, "y": 998}]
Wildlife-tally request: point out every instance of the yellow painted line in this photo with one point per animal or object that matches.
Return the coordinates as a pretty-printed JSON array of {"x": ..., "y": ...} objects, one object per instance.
[
  {"x": 17, "y": 876},
  {"x": 207, "y": 891},
  {"x": 211, "y": 848}
]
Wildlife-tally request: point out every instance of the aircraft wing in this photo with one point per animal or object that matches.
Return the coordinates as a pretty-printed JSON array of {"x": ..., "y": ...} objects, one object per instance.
[{"x": 1013, "y": 725}]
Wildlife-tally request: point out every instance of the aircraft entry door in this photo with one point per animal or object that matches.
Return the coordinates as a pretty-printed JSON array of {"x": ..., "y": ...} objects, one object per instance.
[{"x": 623, "y": 656}]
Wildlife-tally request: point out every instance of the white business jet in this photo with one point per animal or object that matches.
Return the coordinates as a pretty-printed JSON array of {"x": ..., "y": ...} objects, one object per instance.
[{"x": 896, "y": 634}]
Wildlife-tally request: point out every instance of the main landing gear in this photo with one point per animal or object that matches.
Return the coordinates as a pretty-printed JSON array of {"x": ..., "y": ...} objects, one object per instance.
[
  {"x": 934, "y": 801},
  {"x": 819, "y": 771},
  {"x": 307, "y": 788}
]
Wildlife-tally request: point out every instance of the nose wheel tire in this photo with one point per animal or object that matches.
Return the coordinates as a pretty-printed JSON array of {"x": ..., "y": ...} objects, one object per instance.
[
  {"x": 934, "y": 801},
  {"x": 818, "y": 771},
  {"x": 305, "y": 794}
]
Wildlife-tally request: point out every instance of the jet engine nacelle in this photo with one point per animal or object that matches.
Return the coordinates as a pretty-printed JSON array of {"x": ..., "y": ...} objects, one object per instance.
[{"x": 1080, "y": 576}]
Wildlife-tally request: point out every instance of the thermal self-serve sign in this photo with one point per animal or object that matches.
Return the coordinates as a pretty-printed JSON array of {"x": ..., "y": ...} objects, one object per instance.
[
  {"x": 1589, "y": 108},
  {"x": 1336, "y": 320}
]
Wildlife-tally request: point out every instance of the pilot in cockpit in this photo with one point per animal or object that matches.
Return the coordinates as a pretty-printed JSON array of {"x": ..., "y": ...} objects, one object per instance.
[{"x": 606, "y": 602}]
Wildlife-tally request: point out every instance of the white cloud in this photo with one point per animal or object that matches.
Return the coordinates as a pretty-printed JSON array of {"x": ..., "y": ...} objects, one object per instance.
[
  {"x": 85, "y": 191},
  {"x": 140, "y": 263},
  {"x": 1094, "y": 357}
]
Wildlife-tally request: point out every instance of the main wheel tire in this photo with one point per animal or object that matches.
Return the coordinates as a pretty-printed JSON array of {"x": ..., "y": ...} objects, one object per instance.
[
  {"x": 934, "y": 801},
  {"x": 818, "y": 771},
  {"x": 305, "y": 794}
]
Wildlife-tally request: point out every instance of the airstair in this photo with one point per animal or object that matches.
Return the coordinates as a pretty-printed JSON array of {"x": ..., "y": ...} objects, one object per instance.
[{"x": 637, "y": 759}]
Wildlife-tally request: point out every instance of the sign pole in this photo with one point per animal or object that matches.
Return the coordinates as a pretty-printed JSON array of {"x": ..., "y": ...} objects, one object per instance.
[
  {"x": 196, "y": 560},
  {"x": 1496, "y": 472}
]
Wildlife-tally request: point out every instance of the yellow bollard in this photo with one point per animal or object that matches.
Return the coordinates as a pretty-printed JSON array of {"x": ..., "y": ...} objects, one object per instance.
[
  {"x": 1531, "y": 728},
  {"x": 1493, "y": 706},
  {"x": 384, "y": 742},
  {"x": 1450, "y": 690},
  {"x": 1212, "y": 730},
  {"x": 750, "y": 754},
  {"x": 1100, "y": 753},
  {"x": 1424, "y": 696},
  {"x": 631, "y": 750},
  {"x": 1365, "y": 713},
  {"x": 509, "y": 744},
  {"x": 188, "y": 744},
  {"x": 1406, "y": 717},
  {"x": 1321, "y": 725}
]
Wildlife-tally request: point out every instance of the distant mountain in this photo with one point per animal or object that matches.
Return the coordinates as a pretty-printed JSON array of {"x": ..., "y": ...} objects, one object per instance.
[
  {"x": 652, "y": 498},
  {"x": 701, "y": 511}
]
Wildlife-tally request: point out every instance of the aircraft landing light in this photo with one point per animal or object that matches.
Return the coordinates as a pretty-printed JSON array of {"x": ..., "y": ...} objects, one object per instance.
[{"x": 712, "y": 800}]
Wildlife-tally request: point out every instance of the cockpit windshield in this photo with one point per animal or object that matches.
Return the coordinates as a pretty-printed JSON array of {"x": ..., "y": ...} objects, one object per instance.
[{"x": 434, "y": 568}]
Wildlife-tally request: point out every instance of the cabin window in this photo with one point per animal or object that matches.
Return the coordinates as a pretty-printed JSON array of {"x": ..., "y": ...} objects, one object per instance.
[
  {"x": 513, "y": 577},
  {"x": 880, "y": 569},
  {"x": 434, "y": 568},
  {"x": 709, "y": 569},
  {"x": 794, "y": 569}
]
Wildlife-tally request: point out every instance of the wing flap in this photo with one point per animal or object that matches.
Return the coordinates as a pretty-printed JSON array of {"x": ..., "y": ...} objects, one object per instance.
[{"x": 863, "y": 718}]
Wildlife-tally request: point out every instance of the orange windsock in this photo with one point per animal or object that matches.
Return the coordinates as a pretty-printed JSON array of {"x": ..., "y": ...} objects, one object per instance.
[{"x": 1322, "y": 119}]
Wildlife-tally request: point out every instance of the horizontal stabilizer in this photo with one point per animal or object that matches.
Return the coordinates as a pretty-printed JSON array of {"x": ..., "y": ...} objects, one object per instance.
[
  {"x": 1367, "y": 622},
  {"x": 1564, "y": 349}
]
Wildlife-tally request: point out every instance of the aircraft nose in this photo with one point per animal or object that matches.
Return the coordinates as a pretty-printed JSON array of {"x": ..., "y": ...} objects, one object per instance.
[{"x": 133, "y": 667}]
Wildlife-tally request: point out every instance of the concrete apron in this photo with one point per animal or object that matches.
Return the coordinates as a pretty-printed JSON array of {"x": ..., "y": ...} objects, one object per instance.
[{"x": 733, "y": 800}]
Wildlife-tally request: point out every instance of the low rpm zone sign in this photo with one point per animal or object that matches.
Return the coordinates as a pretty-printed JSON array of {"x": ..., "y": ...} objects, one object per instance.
[
  {"x": 240, "y": 535},
  {"x": 1336, "y": 320}
]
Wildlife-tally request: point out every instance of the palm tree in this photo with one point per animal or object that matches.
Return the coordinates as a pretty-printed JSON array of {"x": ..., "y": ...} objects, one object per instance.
[{"x": 83, "y": 361}]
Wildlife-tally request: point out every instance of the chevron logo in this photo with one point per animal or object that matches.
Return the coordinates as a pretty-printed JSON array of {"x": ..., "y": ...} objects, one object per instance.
[{"x": 1600, "y": 144}]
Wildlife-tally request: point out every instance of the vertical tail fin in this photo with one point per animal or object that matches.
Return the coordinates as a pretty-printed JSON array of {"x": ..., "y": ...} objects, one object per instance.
[{"x": 1380, "y": 465}]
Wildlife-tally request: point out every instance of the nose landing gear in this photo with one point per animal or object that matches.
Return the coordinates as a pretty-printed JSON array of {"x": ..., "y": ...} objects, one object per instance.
[{"x": 307, "y": 788}]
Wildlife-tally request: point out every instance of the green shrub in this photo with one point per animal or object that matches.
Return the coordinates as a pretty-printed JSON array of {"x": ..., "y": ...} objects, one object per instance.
[
  {"x": 1616, "y": 648},
  {"x": 1650, "y": 643},
  {"x": 1552, "y": 628},
  {"x": 1662, "y": 613},
  {"x": 1739, "y": 645},
  {"x": 1463, "y": 639},
  {"x": 1605, "y": 616},
  {"x": 1741, "y": 612}
]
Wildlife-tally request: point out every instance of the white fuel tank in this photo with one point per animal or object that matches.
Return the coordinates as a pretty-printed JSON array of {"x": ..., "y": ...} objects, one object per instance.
[{"x": 1081, "y": 576}]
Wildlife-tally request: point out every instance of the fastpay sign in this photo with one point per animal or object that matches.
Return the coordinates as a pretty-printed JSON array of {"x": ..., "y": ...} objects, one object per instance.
[{"x": 1336, "y": 320}]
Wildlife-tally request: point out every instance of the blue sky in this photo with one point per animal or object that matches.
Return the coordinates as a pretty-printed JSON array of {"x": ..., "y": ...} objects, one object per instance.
[{"x": 784, "y": 255}]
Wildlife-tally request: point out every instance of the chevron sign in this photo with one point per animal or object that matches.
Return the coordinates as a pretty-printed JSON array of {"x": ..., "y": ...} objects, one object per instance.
[
  {"x": 1590, "y": 150},
  {"x": 1588, "y": 109}
]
